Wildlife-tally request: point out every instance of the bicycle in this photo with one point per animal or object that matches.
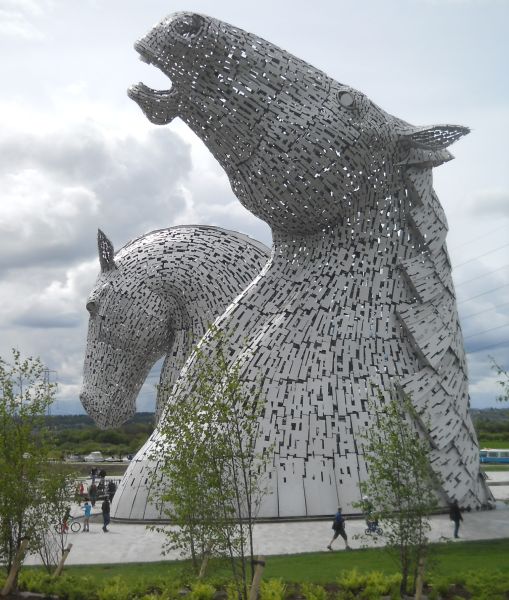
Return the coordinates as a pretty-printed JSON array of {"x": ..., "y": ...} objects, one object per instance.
[
  {"x": 72, "y": 524},
  {"x": 373, "y": 527}
]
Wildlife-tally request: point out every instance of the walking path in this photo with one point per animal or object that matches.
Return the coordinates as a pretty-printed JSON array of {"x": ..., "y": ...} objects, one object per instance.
[{"x": 127, "y": 542}]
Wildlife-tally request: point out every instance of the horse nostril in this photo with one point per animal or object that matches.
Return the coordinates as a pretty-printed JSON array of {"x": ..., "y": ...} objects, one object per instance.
[{"x": 92, "y": 307}]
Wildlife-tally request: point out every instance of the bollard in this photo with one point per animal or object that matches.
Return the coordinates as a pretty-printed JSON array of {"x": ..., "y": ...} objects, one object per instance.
[
  {"x": 11, "y": 578},
  {"x": 60, "y": 566},
  {"x": 257, "y": 577}
]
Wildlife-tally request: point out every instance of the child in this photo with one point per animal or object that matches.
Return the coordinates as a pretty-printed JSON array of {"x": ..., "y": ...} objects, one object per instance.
[{"x": 87, "y": 509}]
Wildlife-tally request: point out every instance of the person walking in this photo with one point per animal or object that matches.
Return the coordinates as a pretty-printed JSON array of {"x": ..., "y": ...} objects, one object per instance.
[
  {"x": 339, "y": 529},
  {"x": 102, "y": 477},
  {"x": 455, "y": 516},
  {"x": 87, "y": 510},
  {"x": 92, "y": 493},
  {"x": 105, "y": 507},
  {"x": 112, "y": 488}
]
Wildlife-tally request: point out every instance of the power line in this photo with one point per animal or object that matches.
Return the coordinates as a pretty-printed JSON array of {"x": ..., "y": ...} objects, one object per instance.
[
  {"x": 485, "y": 331},
  {"x": 481, "y": 276},
  {"x": 484, "y": 293},
  {"x": 480, "y": 256},
  {"x": 487, "y": 347},
  {"x": 479, "y": 237},
  {"x": 482, "y": 311}
]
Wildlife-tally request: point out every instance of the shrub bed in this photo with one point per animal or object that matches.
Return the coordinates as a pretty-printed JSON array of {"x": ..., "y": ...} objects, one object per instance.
[{"x": 349, "y": 585}]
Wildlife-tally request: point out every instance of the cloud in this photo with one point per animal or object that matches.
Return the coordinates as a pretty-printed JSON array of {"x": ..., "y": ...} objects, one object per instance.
[
  {"x": 59, "y": 188},
  {"x": 61, "y": 303},
  {"x": 491, "y": 203},
  {"x": 17, "y": 19}
]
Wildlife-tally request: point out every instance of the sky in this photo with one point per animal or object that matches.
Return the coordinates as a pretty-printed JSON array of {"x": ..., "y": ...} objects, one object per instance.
[{"x": 76, "y": 154}]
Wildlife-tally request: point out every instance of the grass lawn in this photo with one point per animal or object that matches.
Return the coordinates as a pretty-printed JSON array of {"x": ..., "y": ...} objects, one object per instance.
[
  {"x": 486, "y": 467},
  {"x": 322, "y": 567},
  {"x": 500, "y": 443}
]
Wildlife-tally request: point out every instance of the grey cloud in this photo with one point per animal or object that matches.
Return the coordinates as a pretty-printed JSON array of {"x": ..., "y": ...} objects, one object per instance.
[
  {"x": 44, "y": 321},
  {"x": 61, "y": 188},
  {"x": 17, "y": 19},
  {"x": 491, "y": 203}
]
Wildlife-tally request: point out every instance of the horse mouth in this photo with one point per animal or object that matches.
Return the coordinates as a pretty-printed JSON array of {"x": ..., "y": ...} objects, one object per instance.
[
  {"x": 159, "y": 106},
  {"x": 100, "y": 409}
]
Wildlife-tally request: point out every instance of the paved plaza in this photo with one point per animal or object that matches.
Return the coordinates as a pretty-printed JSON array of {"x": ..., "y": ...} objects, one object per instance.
[{"x": 131, "y": 542}]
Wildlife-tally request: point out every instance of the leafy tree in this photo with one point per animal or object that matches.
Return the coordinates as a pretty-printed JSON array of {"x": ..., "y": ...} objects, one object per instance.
[
  {"x": 503, "y": 382},
  {"x": 24, "y": 448},
  {"x": 211, "y": 479},
  {"x": 50, "y": 540},
  {"x": 401, "y": 489}
]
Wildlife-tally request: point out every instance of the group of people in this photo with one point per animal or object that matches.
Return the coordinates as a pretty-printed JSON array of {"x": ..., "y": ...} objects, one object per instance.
[
  {"x": 338, "y": 525},
  {"x": 87, "y": 513},
  {"x": 94, "y": 491}
]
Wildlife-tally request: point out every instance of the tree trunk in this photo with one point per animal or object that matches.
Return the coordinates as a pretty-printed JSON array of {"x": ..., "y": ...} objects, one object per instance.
[
  {"x": 260, "y": 565},
  {"x": 420, "y": 578},
  {"x": 206, "y": 556},
  {"x": 404, "y": 581},
  {"x": 60, "y": 566},
  {"x": 12, "y": 578}
]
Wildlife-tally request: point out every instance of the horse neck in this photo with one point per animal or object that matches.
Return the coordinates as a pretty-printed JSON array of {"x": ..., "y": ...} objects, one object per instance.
[{"x": 367, "y": 243}]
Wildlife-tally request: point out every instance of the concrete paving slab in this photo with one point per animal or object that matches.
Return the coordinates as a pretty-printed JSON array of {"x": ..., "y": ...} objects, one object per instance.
[{"x": 126, "y": 543}]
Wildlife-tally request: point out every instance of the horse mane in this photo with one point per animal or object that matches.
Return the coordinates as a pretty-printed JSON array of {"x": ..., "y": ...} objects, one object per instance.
[{"x": 439, "y": 389}]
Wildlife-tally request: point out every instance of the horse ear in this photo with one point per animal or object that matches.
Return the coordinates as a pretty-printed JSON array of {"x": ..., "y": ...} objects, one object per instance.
[
  {"x": 106, "y": 252},
  {"x": 434, "y": 137}
]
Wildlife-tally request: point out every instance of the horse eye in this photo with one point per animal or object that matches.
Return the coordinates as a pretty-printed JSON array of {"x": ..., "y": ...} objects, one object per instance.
[
  {"x": 92, "y": 307},
  {"x": 189, "y": 26},
  {"x": 346, "y": 99}
]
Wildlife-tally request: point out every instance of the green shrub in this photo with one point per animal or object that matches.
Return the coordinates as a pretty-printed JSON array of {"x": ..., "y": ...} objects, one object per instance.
[
  {"x": 368, "y": 586},
  {"x": 485, "y": 585},
  {"x": 32, "y": 580},
  {"x": 272, "y": 589},
  {"x": 378, "y": 584},
  {"x": 170, "y": 589},
  {"x": 202, "y": 591},
  {"x": 114, "y": 589},
  {"x": 312, "y": 591},
  {"x": 351, "y": 581},
  {"x": 71, "y": 587}
]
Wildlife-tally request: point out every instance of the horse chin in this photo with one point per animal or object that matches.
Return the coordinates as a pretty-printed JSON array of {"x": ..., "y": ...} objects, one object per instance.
[{"x": 159, "y": 106}]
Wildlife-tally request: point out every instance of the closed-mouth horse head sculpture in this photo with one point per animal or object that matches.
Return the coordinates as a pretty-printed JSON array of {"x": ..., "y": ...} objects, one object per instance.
[
  {"x": 156, "y": 297},
  {"x": 358, "y": 290}
]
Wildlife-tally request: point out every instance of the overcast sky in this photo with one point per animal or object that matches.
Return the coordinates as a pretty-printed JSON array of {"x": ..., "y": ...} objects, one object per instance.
[{"x": 76, "y": 154}]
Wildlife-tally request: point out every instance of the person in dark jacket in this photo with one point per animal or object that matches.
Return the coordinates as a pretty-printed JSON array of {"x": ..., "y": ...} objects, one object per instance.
[
  {"x": 112, "y": 488},
  {"x": 92, "y": 493},
  {"x": 455, "y": 516},
  {"x": 339, "y": 529},
  {"x": 105, "y": 508}
]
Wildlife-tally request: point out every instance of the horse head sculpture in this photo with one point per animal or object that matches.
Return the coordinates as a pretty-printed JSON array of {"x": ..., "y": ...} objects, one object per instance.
[
  {"x": 156, "y": 297},
  {"x": 358, "y": 290}
]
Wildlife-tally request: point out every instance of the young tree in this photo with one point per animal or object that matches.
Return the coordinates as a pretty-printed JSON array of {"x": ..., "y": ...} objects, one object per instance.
[
  {"x": 503, "y": 381},
  {"x": 50, "y": 539},
  {"x": 211, "y": 482},
  {"x": 401, "y": 487},
  {"x": 24, "y": 447}
]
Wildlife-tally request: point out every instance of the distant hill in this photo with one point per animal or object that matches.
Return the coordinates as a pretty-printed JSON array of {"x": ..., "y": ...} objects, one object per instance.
[
  {"x": 77, "y": 434},
  {"x": 60, "y": 422},
  {"x": 490, "y": 415}
]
